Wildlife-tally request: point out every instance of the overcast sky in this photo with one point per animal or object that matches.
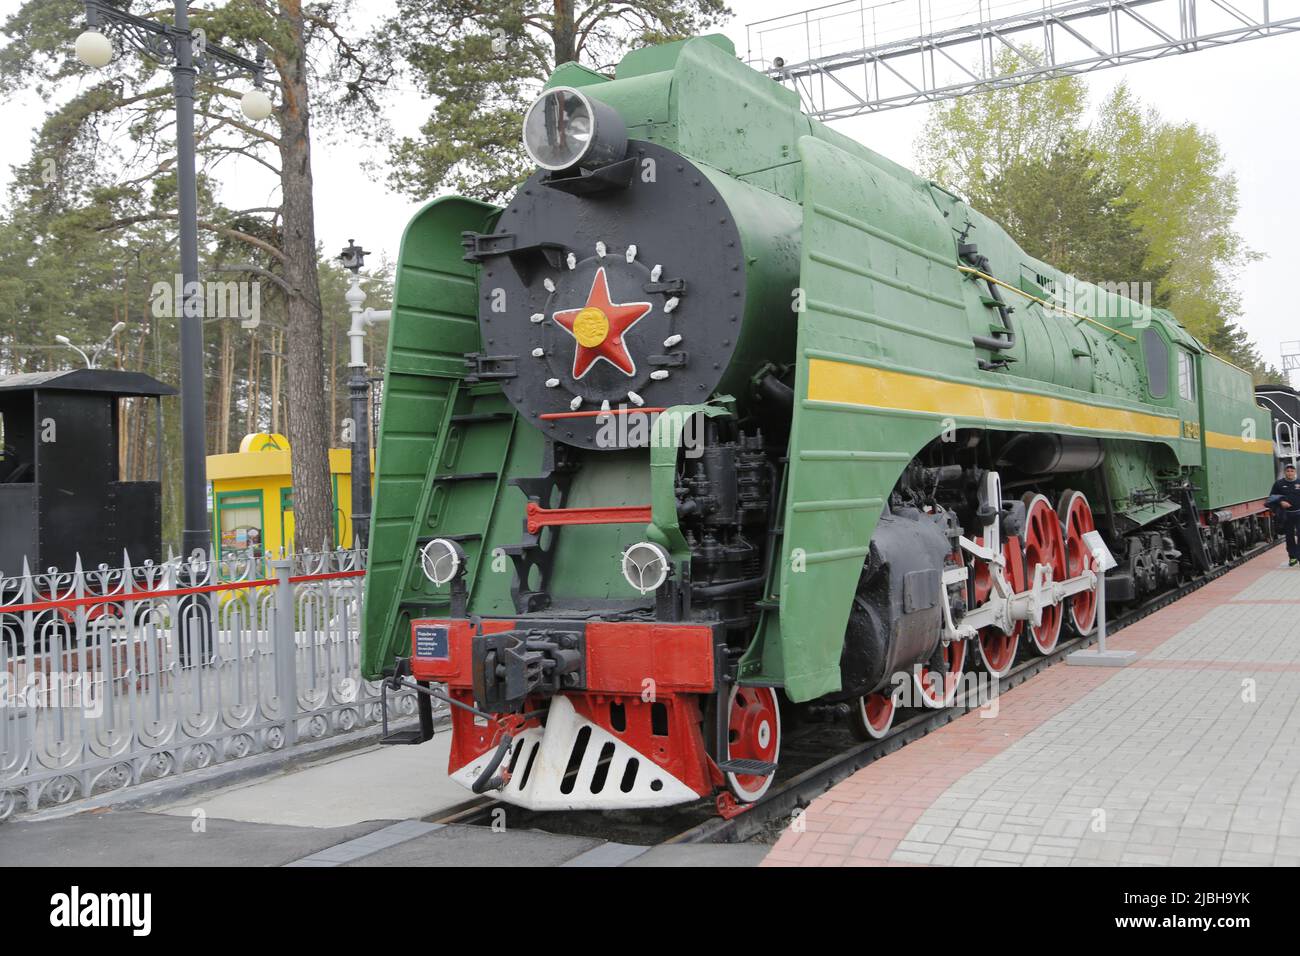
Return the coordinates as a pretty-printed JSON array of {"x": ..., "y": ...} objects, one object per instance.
[{"x": 1246, "y": 94}]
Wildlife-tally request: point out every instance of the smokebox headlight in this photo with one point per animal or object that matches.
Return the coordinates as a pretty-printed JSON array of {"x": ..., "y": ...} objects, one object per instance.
[
  {"x": 645, "y": 566},
  {"x": 565, "y": 128},
  {"x": 441, "y": 560}
]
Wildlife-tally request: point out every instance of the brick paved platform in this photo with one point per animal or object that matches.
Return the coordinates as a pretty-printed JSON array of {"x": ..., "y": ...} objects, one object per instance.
[{"x": 1188, "y": 756}]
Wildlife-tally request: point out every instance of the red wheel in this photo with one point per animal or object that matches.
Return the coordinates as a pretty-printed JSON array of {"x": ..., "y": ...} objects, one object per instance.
[
  {"x": 997, "y": 649},
  {"x": 938, "y": 690},
  {"x": 754, "y": 733},
  {"x": 1043, "y": 545},
  {"x": 1076, "y": 521},
  {"x": 871, "y": 715}
]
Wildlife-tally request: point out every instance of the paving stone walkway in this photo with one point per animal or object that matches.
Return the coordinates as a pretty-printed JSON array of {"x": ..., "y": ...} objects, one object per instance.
[{"x": 1189, "y": 756}]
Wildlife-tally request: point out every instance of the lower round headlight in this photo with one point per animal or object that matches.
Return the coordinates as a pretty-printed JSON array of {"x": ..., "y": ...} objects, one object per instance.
[
  {"x": 441, "y": 560},
  {"x": 645, "y": 566}
]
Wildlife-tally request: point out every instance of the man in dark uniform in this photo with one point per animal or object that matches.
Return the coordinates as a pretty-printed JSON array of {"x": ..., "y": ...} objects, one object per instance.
[{"x": 1286, "y": 493}]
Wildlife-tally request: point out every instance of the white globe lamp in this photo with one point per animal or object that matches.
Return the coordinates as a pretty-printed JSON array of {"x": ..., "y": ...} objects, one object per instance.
[
  {"x": 256, "y": 105},
  {"x": 94, "y": 49}
]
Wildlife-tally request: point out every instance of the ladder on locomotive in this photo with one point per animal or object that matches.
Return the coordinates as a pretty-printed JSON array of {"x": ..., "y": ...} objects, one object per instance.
[{"x": 466, "y": 473}]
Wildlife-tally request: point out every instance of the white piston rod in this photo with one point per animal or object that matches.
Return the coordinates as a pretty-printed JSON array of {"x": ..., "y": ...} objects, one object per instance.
[{"x": 1005, "y": 607}]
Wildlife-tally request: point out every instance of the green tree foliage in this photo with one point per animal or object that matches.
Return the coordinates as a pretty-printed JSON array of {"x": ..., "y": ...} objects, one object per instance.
[
  {"x": 971, "y": 141},
  {"x": 1231, "y": 341},
  {"x": 481, "y": 62},
  {"x": 1128, "y": 197},
  {"x": 1065, "y": 210},
  {"x": 1184, "y": 200}
]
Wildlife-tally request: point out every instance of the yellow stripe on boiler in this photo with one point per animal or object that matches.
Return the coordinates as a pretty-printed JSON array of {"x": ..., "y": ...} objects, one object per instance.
[
  {"x": 850, "y": 384},
  {"x": 1257, "y": 446}
]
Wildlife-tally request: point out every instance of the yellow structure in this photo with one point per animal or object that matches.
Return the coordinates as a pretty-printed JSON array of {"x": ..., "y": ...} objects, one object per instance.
[{"x": 252, "y": 495}]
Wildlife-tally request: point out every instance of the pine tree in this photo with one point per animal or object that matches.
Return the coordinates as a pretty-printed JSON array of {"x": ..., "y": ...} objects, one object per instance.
[{"x": 482, "y": 62}]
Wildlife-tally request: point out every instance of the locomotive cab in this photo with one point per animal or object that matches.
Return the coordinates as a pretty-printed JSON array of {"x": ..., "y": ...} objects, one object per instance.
[
  {"x": 61, "y": 490},
  {"x": 1282, "y": 402}
]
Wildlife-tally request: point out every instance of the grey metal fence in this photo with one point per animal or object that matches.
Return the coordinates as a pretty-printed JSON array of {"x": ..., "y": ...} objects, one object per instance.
[{"x": 119, "y": 675}]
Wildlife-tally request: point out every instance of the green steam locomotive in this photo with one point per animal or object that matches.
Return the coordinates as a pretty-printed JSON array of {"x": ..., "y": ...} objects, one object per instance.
[{"x": 725, "y": 414}]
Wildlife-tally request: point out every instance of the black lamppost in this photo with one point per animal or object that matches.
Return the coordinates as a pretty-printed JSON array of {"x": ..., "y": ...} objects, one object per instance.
[{"x": 188, "y": 52}]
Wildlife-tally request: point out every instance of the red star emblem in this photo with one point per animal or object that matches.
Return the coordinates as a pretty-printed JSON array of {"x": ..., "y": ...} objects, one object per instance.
[{"x": 599, "y": 326}]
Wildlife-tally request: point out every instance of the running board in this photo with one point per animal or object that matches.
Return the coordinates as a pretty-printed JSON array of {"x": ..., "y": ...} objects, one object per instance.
[
  {"x": 748, "y": 768},
  {"x": 398, "y": 738}
]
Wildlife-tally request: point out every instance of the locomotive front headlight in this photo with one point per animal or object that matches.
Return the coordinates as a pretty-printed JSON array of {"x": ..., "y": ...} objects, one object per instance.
[
  {"x": 565, "y": 128},
  {"x": 645, "y": 566}
]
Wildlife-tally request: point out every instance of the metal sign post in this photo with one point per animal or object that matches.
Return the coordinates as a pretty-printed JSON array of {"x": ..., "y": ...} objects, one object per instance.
[{"x": 1099, "y": 656}]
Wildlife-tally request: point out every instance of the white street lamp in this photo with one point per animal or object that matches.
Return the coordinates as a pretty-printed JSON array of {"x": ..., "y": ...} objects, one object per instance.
[
  {"x": 93, "y": 357},
  {"x": 64, "y": 340},
  {"x": 94, "y": 49},
  {"x": 256, "y": 105}
]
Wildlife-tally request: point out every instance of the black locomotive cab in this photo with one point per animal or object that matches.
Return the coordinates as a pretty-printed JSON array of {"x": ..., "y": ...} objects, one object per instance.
[
  {"x": 1283, "y": 403},
  {"x": 61, "y": 488}
]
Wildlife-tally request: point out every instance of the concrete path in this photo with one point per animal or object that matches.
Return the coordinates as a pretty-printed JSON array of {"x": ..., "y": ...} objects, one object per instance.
[
  {"x": 131, "y": 838},
  {"x": 365, "y": 808},
  {"x": 378, "y": 783}
]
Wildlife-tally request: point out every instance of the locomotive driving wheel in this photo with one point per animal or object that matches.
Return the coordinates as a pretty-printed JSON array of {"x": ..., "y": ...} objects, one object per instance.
[
  {"x": 753, "y": 733},
  {"x": 1076, "y": 521},
  {"x": 939, "y": 690},
  {"x": 1044, "y": 545},
  {"x": 997, "y": 648},
  {"x": 871, "y": 715}
]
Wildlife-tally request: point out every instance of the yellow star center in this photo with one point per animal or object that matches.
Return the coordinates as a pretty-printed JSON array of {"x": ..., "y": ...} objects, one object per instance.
[{"x": 590, "y": 327}]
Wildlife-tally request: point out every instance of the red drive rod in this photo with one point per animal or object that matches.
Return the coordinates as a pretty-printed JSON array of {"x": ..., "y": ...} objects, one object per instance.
[{"x": 539, "y": 517}]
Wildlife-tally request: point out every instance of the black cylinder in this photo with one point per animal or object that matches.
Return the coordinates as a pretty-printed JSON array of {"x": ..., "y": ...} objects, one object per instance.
[{"x": 1038, "y": 453}]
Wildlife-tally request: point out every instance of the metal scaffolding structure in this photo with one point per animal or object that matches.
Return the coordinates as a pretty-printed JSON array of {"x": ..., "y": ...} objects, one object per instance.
[
  {"x": 855, "y": 57},
  {"x": 1290, "y": 360}
]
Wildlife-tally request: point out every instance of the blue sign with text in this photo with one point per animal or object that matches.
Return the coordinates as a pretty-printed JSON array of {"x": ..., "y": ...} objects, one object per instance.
[{"x": 431, "y": 641}]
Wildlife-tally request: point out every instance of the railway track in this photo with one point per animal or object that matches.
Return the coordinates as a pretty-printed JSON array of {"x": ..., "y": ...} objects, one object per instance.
[{"x": 812, "y": 773}]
